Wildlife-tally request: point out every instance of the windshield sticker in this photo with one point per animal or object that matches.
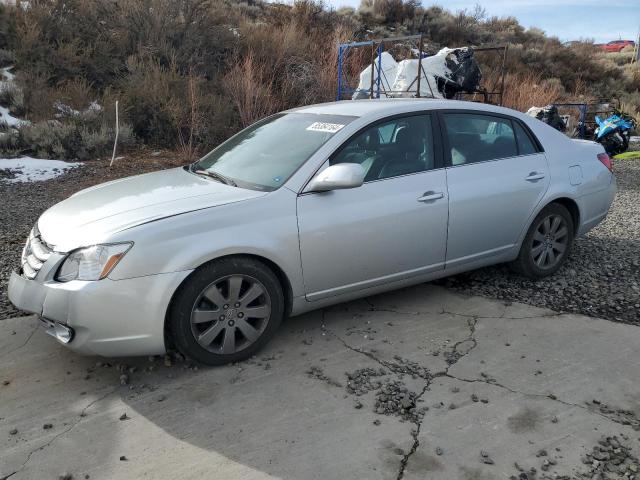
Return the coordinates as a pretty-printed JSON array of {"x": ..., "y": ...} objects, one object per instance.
[{"x": 325, "y": 127}]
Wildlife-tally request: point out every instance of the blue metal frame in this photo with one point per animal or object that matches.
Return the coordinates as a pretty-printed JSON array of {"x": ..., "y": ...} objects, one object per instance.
[{"x": 343, "y": 48}]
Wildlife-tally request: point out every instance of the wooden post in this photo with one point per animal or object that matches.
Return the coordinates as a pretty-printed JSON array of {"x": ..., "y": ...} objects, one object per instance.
[
  {"x": 115, "y": 142},
  {"x": 504, "y": 71},
  {"x": 420, "y": 68}
]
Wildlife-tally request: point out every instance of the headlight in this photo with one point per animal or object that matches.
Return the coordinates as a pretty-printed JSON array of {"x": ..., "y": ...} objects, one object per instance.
[{"x": 92, "y": 263}]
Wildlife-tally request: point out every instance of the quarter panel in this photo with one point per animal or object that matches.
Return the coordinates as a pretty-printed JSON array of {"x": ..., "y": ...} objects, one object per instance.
[{"x": 596, "y": 188}]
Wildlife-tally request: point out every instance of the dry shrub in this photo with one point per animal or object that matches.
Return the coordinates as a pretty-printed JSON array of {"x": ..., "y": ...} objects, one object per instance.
[
  {"x": 9, "y": 144},
  {"x": 388, "y": 12},
  {"x": 188, "y": 117},
  {"x": 147, "y": 93},
  {"x": 250, "y": 86},
  {"x": 284, "y": 66},
  {"x": 188, "y": 73},
  {"x": 632, "y": 75},
  {"x": 39, "y": 96},
  {"x": 166, "y": 108},
  {"x": 7, "y": 57},
  {"x": 69, "y": 140},
  {"x": 12, "y": 97},
  {"x": 327, "y": 66},
  {"x": 76, "y": 93},
  {"x": 525, "y": 90}
]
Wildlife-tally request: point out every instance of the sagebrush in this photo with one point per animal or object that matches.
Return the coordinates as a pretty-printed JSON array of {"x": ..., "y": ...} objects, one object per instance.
[{"x": 188, "y": 74}]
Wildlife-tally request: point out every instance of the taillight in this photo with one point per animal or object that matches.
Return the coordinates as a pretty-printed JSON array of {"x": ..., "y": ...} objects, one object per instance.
[{"x": 606, "y": 161}]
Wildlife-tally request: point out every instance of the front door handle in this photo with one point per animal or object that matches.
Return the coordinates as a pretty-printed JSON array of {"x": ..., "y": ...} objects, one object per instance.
[
  {"x": 430, "y": 196},
  {"x": 534, "y": 177}
]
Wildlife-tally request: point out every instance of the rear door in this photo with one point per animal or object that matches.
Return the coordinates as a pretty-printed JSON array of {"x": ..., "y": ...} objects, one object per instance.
[{"x": 496, "y": 176}]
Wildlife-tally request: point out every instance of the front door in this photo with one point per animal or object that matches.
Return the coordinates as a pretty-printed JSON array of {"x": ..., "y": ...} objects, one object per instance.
[{"x": 392, "y": 227}]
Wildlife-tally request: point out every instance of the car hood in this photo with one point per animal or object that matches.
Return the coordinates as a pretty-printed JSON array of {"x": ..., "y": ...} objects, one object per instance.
[{"x": 91, "y": 215}]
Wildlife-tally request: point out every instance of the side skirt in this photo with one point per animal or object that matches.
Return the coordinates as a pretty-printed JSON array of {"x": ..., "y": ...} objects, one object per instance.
[{"x": 302, "y": 305}]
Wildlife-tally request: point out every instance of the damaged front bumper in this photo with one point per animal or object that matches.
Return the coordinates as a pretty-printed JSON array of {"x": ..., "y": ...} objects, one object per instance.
[
  {"x": 106, "y": 317},
  {"x": 60, "y": 332}
]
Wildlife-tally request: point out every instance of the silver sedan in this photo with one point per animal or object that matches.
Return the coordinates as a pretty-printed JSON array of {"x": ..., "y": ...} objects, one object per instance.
[{"x": 304, "y": 209}]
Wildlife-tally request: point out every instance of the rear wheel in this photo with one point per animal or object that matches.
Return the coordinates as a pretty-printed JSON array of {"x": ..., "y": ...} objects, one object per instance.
[
  {"x": 226, "y": 311},
  {"x": 547, "y": 243}
]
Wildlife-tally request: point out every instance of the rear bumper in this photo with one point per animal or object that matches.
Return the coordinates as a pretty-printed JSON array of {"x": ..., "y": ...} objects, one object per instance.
[{"x": 108, "y": 317}]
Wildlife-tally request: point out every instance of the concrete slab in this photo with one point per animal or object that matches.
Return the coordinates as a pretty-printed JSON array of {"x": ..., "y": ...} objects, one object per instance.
[{"x": 417, "y": 383}]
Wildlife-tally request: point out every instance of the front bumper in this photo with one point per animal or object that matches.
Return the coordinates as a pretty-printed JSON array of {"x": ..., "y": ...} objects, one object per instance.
[{"x": 111, "y": 318}]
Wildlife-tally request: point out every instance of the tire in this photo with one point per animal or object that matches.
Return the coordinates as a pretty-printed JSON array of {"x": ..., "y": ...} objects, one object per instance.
[
  {"x": 226, "y": 311},
  {"x": 547, "y": 243}
]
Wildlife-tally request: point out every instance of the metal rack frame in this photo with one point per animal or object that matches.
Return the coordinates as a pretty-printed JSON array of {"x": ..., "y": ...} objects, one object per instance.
[{"x": 415, "y": 42}]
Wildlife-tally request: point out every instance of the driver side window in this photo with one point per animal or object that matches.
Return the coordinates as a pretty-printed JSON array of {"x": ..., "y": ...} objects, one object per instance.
[{"x": 389, "y": 149}]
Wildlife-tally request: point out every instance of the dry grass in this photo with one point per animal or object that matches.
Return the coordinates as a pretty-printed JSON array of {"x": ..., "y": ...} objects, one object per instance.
[
  {"x": 525, "y": 90},
  {"x": 249, "y": 85},
  {"x": 284, "y": 66},
  {"x": 188, "y": 117}
]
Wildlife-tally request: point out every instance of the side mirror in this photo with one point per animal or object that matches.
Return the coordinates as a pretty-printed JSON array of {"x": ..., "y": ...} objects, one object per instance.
[{"x": 335, "y": 177}]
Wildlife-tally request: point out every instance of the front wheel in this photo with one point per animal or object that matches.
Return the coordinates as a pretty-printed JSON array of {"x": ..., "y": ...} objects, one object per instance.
[
  {"x": 547, "y": 243},
  {"x": 226, "y": 311}
]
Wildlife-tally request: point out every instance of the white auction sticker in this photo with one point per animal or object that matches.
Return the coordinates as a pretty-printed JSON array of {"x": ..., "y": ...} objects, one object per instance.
[{"x": 325, "y": 127}]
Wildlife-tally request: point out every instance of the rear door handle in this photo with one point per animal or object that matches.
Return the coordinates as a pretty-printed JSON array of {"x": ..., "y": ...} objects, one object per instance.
[
  {"x": 534, "y": 177},
  {"x": 430, "y": 196}
]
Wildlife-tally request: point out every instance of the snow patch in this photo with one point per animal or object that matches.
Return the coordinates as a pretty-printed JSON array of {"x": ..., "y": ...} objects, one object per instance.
[
  {"x": 10, "y": 120},
  {"x": 5, "y": 72},
  {"x": 28, "y": 169},
  {"x": 65, "y": 111}
]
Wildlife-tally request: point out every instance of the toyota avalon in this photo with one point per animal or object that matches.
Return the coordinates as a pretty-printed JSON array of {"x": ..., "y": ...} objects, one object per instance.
[{"x": 304, "y": 209}]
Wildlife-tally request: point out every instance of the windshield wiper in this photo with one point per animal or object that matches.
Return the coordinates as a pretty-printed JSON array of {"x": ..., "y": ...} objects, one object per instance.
[{"x": 215, "y": 176}]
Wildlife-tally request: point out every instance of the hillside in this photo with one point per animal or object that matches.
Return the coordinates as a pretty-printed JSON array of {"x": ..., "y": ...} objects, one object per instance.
[{"x": 188, "y": 74}]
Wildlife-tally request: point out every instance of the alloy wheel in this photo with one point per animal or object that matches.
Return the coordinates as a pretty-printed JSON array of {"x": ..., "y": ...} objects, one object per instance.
[
  {"x": 230, "y": 314},
  {"x": 550, "y": 241}
]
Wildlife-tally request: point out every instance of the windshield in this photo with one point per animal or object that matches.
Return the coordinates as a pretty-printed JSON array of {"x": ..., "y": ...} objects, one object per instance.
[{"x": 264, "y": 155}]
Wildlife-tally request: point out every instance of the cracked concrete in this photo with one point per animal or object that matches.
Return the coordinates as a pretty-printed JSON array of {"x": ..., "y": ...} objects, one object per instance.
[{"x": 476, "y": 375}]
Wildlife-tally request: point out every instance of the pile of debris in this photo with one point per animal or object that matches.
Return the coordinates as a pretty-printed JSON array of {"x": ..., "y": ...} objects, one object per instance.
[
  {"x": 548, "y": 115},
  {"x": 444, "y": 74}
]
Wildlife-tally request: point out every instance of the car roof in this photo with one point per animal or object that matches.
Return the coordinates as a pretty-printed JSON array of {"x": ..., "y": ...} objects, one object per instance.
[{"x": 380, "y": 107}]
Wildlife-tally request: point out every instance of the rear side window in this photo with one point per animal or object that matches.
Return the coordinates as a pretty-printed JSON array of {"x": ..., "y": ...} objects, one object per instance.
[
  {"x": 525, "y": 145},
  {"x": 477, "y": 138}
]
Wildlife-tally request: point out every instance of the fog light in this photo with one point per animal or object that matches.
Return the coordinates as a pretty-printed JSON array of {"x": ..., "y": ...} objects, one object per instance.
[{"x": 63, "y": 333}]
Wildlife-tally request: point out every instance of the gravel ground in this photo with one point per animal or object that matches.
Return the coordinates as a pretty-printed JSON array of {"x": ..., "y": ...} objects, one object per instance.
[
  {"x": 23, "y": 203},
  {"x": 601, "y": 277}
]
